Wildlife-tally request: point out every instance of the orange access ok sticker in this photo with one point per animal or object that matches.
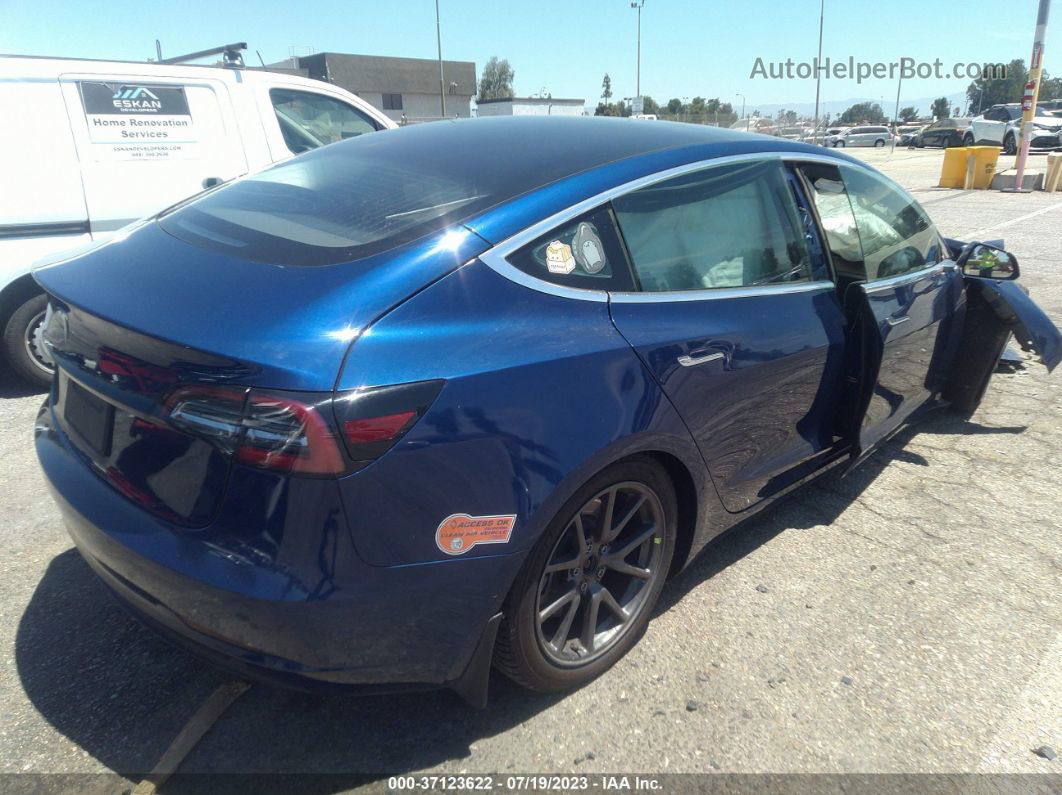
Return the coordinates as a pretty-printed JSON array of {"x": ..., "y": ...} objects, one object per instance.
[{"x": 460, "y": 532}]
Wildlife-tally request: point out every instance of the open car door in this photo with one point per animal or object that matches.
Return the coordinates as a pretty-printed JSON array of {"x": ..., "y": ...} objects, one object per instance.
[{"x": 995, "y": 309}]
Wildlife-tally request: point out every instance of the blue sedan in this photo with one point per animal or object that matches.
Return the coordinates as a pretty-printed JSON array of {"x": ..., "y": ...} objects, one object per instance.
[{"x": 465, "y": 394}]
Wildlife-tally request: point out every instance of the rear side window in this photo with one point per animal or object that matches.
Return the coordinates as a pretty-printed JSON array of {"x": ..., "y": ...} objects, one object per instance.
[
  {"x": 585, "y": 253},
  {"x": 309, "y": 120},
  {"x": 726, "y": 226}
]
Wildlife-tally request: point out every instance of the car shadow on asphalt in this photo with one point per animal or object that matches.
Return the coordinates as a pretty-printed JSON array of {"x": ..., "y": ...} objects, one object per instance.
[
  {"x": 121, "y": 694},
  {"x": 12, "y": 387}
]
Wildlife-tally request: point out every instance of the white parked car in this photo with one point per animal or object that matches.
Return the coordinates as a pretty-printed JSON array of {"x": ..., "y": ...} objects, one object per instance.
[
  {"x": 865, "y": 135},
  {"x": 1000, "y": 125},
  {"x": 88, "y": 147}
]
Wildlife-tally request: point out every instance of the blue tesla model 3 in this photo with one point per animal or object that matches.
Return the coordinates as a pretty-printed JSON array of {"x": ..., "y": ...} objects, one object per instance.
[{"x": 466, "y": 393}]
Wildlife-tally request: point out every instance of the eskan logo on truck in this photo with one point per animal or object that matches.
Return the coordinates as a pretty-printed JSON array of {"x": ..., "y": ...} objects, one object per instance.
[{"x": 136, "y": 98}]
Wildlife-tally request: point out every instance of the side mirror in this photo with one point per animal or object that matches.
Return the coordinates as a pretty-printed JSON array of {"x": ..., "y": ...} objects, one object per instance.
[{"x": 988, "y": 262}]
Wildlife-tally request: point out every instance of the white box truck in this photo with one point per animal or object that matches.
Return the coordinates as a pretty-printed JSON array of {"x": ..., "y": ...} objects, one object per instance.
[{"x": 87, "y": 147}]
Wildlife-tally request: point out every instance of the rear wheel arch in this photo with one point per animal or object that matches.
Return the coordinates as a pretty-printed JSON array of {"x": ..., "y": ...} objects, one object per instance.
[{"x": 688, "y": 505}]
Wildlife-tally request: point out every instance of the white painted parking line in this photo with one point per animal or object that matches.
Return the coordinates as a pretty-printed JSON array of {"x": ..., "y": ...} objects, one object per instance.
[{"x": 1011, "y": 222}]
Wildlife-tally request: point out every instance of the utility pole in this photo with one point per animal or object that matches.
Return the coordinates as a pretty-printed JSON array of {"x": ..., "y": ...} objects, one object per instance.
[
  {"x": 1032, "y": 91},
  {"x": 638, "y": 73},
  {"x": 742, "y": 108},
  {"x": 896, "y": 115},
  {"x": 438, "y": 40},
  {"x": 818, "y": 67}
]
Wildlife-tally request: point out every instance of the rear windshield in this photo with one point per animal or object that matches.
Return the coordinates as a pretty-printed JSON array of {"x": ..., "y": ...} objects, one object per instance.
[{"x": 327, "y": 206}]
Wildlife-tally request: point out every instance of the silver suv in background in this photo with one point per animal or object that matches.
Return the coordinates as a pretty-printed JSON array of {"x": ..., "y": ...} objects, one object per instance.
[{"x": 861, "y": 136}]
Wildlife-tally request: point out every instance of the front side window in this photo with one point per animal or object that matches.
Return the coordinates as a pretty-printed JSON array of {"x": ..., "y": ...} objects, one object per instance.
[
  {"x": 727, "y": 226},
  {"x": 895, "y": 234},
  {"x": 309, "y": 120}
]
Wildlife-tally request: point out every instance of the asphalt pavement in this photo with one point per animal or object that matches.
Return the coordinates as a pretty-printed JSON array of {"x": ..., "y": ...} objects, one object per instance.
[{"x": 903, "y": 619}]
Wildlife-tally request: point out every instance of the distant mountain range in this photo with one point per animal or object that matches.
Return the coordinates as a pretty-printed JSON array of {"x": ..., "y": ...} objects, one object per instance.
[{"x": 837, "y": 107}]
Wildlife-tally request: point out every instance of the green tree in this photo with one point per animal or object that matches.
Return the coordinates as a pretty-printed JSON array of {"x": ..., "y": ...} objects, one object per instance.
[
  {"x": 910, "y": 113},
  {"x": 988, "y": 91},
  {"x": 612, "y": 109},
  {"x": 940, "y": 109},
  {"x": 674, "y": 106},
  {"x": 496, "y": 82},
  {"x": 649, "y": 105},
  {"x": 1050, "y": 87},
  {"x": 606, "y": 89},
  {"x": 870, "y": 112}
]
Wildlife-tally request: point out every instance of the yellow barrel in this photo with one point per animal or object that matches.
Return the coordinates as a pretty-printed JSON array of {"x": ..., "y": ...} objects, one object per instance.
[
  {"x": 953, "y": 171},
  {"x": 985, "y": 160},
  {"x": 956, "y": 161}
]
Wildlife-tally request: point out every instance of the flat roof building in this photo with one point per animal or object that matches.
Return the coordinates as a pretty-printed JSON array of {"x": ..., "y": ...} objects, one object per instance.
[
  {"x": 530, "y": 106},
  {"x": 403, "y": 88}
]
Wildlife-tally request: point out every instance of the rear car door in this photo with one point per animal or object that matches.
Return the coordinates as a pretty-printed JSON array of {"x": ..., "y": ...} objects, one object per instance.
[
  {"x": 148, "y": 142},
  {"x": 933, "y": 133},
  {"x": 903, "y": 304},
  {"x": 736, "y": 320}
]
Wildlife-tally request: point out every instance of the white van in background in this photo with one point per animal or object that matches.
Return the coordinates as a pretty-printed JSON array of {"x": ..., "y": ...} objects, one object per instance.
[{"x": 87, "y": 147}]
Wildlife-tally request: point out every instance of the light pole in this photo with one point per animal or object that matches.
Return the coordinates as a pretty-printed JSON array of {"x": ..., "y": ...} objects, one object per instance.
[
  {"x": 818, "y": 66},
  {"x": 742, "y": 108},
  {"x": 438, "y": 41},
  {"x": 638, "y": 73}
]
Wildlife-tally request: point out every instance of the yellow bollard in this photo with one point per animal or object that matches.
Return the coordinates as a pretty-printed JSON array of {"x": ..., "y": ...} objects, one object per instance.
[
  {"x": 985, "y": 160},
  {"x": 953, "y": 170},
  {"x": 1053, "y": 177}
]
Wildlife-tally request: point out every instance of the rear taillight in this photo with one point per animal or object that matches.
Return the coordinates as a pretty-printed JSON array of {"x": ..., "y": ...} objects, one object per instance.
[
  {"x": 299, "y": 432},
  {"x": 373, "y": 420},
  {"x": 289, "y": 435}
]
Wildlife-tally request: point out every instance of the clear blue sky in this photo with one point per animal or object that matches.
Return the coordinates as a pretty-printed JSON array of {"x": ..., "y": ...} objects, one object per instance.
[{"x": 689, "y": 47}]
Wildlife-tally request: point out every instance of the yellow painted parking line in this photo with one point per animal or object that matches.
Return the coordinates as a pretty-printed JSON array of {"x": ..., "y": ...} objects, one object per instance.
[{"x": 187, "y": 738}]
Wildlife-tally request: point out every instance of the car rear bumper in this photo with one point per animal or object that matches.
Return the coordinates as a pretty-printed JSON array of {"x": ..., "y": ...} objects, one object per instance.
[{"x": 313, "y": 615}]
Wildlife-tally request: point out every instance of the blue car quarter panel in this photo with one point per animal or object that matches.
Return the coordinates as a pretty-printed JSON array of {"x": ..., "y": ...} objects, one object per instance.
[
  {"x": 541, "y": 392},
  {"x": 281, "y": 326},
  {"x": 274, "y": 582}
]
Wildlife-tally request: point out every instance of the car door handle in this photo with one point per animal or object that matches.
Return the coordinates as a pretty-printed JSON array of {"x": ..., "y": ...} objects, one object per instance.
[
  {"x": 897, "y": 320},
  {"x": 699, "y": 357}
]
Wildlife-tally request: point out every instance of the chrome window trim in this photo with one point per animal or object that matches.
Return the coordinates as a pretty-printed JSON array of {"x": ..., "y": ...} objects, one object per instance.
[
  {"x": 496, "y": 257},
  {"x": 903, "y": 278},
  {"x": 716, "y": 293}
]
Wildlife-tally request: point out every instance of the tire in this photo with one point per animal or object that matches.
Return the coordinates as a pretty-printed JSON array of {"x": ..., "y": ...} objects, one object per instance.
[
  {"x": 542, "y": 654},
  {"x": 21, "y": 346},
  {"x": 1010, "y": 145},
  {"x": 879, "y": 143},
  {"x": 967, "y": 140},
  {"x": 840, "y": 144}
]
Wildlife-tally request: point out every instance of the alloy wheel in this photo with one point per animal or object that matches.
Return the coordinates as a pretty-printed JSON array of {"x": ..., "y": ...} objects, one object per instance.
[{"x": 597, "y": 578}]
